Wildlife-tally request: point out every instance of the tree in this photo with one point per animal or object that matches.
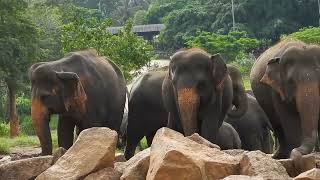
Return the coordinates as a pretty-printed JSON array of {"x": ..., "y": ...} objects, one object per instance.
[
  {"x": 18, "y": 49},
  {"x": 48, "y": 19},
  {"x": 140, "y": 17},
  {"x": 231, "y": 46},
  {"x": 126, "y": 49},
  {"x": 260, "y": 18}
]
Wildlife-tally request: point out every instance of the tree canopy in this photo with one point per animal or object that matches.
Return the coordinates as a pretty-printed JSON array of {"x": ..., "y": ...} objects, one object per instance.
[
  {"x": 235, "y": 43},
  {"x": 18, "y": 49},
  {"x": 261, "y": 19},
  {"x": 309, "y": 35}
]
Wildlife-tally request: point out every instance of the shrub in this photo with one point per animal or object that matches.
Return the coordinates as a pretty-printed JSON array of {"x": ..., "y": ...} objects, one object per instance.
[
  {"x": 26, "y": 126},
  {"x": 308, "y": 35},
  {"x": 23, "y": 105},
  {"x": 244, "y": 62},
  {"x": 235, "y": 44},
  {"x": 4, "y": 129},
  {"x": 54, "y": 122},
  {"x": 126, "y": 49},
  {"x": 4, "y": 147}
]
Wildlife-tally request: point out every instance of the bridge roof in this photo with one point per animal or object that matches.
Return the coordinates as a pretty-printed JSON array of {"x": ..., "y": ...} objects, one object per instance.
[{"x": 139, "y": 28}]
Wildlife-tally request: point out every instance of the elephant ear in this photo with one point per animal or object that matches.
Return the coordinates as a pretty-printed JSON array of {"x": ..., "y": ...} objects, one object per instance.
[
  {"x": 219, "y": 70},
  {"x": 272, "y": 76},
  {"x": 72, "y": 91}
]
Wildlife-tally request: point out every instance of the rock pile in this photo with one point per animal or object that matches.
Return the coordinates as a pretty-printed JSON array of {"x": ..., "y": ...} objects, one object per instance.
[{"x": 171, "y": 156}]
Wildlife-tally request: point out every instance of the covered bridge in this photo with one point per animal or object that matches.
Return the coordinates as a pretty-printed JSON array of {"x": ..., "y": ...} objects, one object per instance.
[{"x": 148, "y": 31}]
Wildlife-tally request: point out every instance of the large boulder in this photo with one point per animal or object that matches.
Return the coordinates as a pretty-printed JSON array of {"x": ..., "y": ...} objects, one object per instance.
[
  {"x": 199, "y": 139},
  {"x": 243, "y": 177},
  {"x": 119, "y": 157},
  {"x": 257, "y": 163},
  {"x": 312, "y": 174},
  {"x": 5, "y": 159},
  {"x": 104, "y": 174},
  {"x": 58, "y": 154},
  {"x": 174, "y": 156},
  {"x": 308, "y": 162},
  {"x": 120, "y": 167},
  {"x": 93, "y": 150},
  {"x": 25, "y": 168},
  {"x": 137, "y": 166}
]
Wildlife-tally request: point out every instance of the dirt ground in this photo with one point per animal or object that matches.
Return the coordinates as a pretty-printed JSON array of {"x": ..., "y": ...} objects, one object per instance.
[{"x": 22, "y": 152}]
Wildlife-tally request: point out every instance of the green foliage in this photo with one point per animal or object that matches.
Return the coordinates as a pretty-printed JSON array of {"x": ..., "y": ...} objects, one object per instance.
[
  {"x": 246, "y": 82},
  {"x": 126, "y": 49},
  {"x": 140, "y": 17},
  {"x": 18, "y": 40},
  {"x": 244, "y": 62},
  {"x": 23, "y": 105},
  {"x": 4, "y": 129},
  {"x": 26, "y": 127},
  {"x": 233, "y": 45},
  {"x": 260, "y": 18},
  {"x": 309, "y": 35},
  {"x": 48, "y": 20},
  {"x": 4, "y": 147},
  {"x": 143, "y": 143}
]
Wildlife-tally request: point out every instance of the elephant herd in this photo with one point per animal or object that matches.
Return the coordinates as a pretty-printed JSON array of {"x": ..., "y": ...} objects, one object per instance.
[{"x": 196, "y": 93}]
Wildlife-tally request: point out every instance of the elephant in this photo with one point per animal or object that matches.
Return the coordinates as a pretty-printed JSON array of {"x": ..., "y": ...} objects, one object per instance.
[
  {"x": 83, "y": 88},
  {"x": 146, "y": 110},
  {"x": 285, "y": 81},
  {"x": 228, "y": 137},
  {"x": 197, "y": 93},
  {"x": 146, "y": 107},
  {"x": 253, "y": 128}
]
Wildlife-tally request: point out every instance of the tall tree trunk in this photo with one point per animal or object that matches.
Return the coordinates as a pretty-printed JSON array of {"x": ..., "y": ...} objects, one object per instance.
[{"x": 13, "y": 116}]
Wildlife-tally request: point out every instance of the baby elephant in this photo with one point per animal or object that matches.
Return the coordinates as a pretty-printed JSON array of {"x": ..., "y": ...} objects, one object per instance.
[{"x": 228, "y": 138}]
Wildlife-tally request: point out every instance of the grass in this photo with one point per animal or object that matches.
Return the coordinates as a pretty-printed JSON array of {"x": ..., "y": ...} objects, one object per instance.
[
  {"x": 23, "y": 140},
  {"x": 246, "y": 82}
]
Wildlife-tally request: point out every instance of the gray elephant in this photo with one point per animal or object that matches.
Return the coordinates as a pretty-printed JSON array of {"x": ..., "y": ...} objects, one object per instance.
[
  {"x": 253, "y": 128},
  {"x": 227, "y": 137},
  {"x": 86, "y": 90},
  {"x": 146, "y": 109},
  {"x": 285, "y": 81},
  {"x": 197, "y": 92}
]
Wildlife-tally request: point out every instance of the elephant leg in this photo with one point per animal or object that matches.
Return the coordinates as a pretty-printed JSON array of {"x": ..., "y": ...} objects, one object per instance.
[
  {"x": 267, "y": 142},
  {"x": 317, "y": 145},
  {"x": 131, "y": 146},
  {"x": 150, "y": 138},
  {"x": 65, "y": 132},
  {"x": 290, "y": 123}
]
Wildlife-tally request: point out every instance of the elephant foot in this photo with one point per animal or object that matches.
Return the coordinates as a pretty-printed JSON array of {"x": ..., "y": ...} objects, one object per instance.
[
  {"x": 296, "y": 156},
  {"x": 280, "y": 154}
]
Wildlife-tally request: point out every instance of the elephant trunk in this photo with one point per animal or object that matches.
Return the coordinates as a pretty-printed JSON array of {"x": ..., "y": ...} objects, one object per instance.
[
  {"x": 40, "y": 122},
  {"x": 240, "y": 100},
  {"x": 307, "y": 102},
  {"x": 188, "y": 102}
]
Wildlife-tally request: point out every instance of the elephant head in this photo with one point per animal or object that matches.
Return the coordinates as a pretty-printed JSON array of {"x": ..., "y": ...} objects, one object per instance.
[
  {"x": 197, "y": 78},
  {"x": 53, "y": 93},
  {"x": 295, "y": 77}
]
